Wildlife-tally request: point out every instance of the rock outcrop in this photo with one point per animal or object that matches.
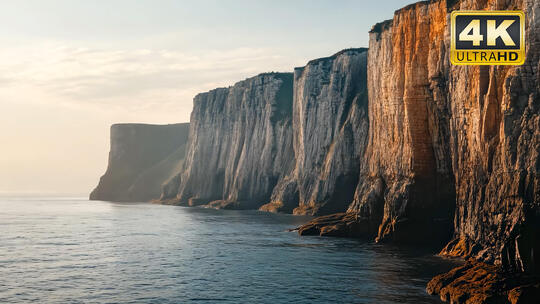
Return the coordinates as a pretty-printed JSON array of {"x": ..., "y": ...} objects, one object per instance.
[
  {"x": 477, "y": 282},
  {"x": 329, "y": 123},
  {"x": 406, "y": 186},
  {"x": 240, "y": 145},
  {"x": 141, "y": 159},
  {"x": 344, "y": 224}
]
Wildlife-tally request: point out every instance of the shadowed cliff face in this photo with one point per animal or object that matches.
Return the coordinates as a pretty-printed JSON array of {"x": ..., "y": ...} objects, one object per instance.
[
  {"x": 329, "y": 134},
  {"x": 141, "y": 159},
  {"x": 254, "y": 144},
  {"x": 240, "y": 144}
]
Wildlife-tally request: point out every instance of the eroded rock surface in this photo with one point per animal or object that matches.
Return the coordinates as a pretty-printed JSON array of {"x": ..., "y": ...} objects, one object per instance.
[
  {"x": 141, "y": 159},
  {"x": 345, "y": 224},
  {"x": 452, "y": 149},
  {"x": 240, "y": 144},
  {"x": 329, "y": 123},
  {"x": 445, "y": 139},
  {"x": 477, "y": 283},
  {"x": 255, "y": 144}
]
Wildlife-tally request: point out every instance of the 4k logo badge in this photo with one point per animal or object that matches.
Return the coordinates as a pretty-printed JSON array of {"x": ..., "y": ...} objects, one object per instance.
[{"x": 487, "y": 38}]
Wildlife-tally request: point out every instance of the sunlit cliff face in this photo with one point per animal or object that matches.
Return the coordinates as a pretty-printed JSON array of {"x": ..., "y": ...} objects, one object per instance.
[{"x": 474, "y": 127}]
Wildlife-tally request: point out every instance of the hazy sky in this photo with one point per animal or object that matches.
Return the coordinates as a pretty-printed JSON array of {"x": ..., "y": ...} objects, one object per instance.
[{"x": 69, "y": 69}]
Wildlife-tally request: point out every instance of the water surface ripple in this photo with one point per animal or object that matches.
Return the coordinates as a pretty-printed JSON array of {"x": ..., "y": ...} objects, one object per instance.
[{"x": 70, "y": 250}]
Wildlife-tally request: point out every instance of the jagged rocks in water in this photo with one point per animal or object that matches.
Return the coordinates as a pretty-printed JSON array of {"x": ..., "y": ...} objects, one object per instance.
[
  {"x": 141, "y": 159},
  {"x": 345, "y": 224},
  {"x": 478, "y": 283},
  {"x": 329, "y": 123}
]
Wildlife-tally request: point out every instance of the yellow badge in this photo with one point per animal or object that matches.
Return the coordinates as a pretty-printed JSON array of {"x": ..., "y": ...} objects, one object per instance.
[{"x": 487, "y": 38}]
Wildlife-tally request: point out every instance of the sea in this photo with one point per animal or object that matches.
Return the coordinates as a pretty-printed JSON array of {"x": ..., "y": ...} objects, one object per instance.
[{"x": 72, "y": 250}]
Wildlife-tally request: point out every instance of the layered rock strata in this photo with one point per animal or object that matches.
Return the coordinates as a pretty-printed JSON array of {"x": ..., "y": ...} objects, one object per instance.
[
  {"x": 279, "y": 141},
  {"x": 240, "y": 145},
  {"x": 406, "y": 190},
  {"x": 445, "y": 138},
  {"x": 142, "y": 157},
  {"x": 329, "y": 123},
  {"x": 452, "y": 142},
  {"x": 477, "y": 282}
]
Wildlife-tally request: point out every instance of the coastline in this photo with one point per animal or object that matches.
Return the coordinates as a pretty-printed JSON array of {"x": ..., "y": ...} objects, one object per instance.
[{"x": 391, "y": 144}]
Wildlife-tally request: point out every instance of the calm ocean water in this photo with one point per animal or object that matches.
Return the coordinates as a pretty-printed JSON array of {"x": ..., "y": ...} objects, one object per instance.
[{"x": 69, "y": 250}]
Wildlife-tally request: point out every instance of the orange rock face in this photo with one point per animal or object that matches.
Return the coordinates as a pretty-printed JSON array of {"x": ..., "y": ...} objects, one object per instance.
[
  {"x": 475, "y": 128},
  {"x": 452, "y": 143},
  {"x": 476, "y": 283},
  {"x": 409, "y": 188},
  {"x": 453, "y": 149}
]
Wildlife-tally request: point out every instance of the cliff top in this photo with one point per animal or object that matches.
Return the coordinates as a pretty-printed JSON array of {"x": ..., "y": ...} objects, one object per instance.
[
  {"x": 349, "y": 50},
  {"x": 280, "y": 75},
  {"x": 414, "y": 5},
  {"x": 384, "y": 25},
  {"x": 123, "y": 125},
  {"x": 449, "y": 4}
]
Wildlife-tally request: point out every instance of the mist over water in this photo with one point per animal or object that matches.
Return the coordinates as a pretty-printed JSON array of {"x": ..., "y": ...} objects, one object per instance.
[{"x": 70, "y": 250}]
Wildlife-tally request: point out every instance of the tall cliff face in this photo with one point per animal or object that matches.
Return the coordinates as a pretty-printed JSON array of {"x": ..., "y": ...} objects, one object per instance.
[
  {"x": 408, "y": 192},
  {"x": 443, "y": 135},
  {"x": 452, "y": 150},
  {"x": 141, "y": 159},
  {"x": 329, "y": 132},
  {"x": 240, "y": 144},
  {"x": 495, "y": 148},
  {"x": 254, "y": 143}
]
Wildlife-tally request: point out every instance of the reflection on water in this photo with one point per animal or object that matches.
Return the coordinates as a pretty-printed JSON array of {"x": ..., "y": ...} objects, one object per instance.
[{"x": 74, "y": 250}]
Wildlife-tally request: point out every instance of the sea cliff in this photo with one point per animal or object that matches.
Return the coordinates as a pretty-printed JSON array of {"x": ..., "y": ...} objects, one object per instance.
[
  {"x": 455, "y": 148},
  {"x": 240, "y": 145},
  {"x": 142, "y": 157},
  {"x": 329, "y": 132},
  {"x": 392, "y": 144}
]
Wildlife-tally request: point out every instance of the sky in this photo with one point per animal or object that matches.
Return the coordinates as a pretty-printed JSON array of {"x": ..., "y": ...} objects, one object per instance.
[{"x": 71, "y": 68}]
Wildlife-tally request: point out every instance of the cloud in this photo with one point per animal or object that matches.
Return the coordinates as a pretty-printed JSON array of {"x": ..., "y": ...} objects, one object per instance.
[
  {"x": 58, "y": 101},
  {"x": 129, "y": 79}
]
